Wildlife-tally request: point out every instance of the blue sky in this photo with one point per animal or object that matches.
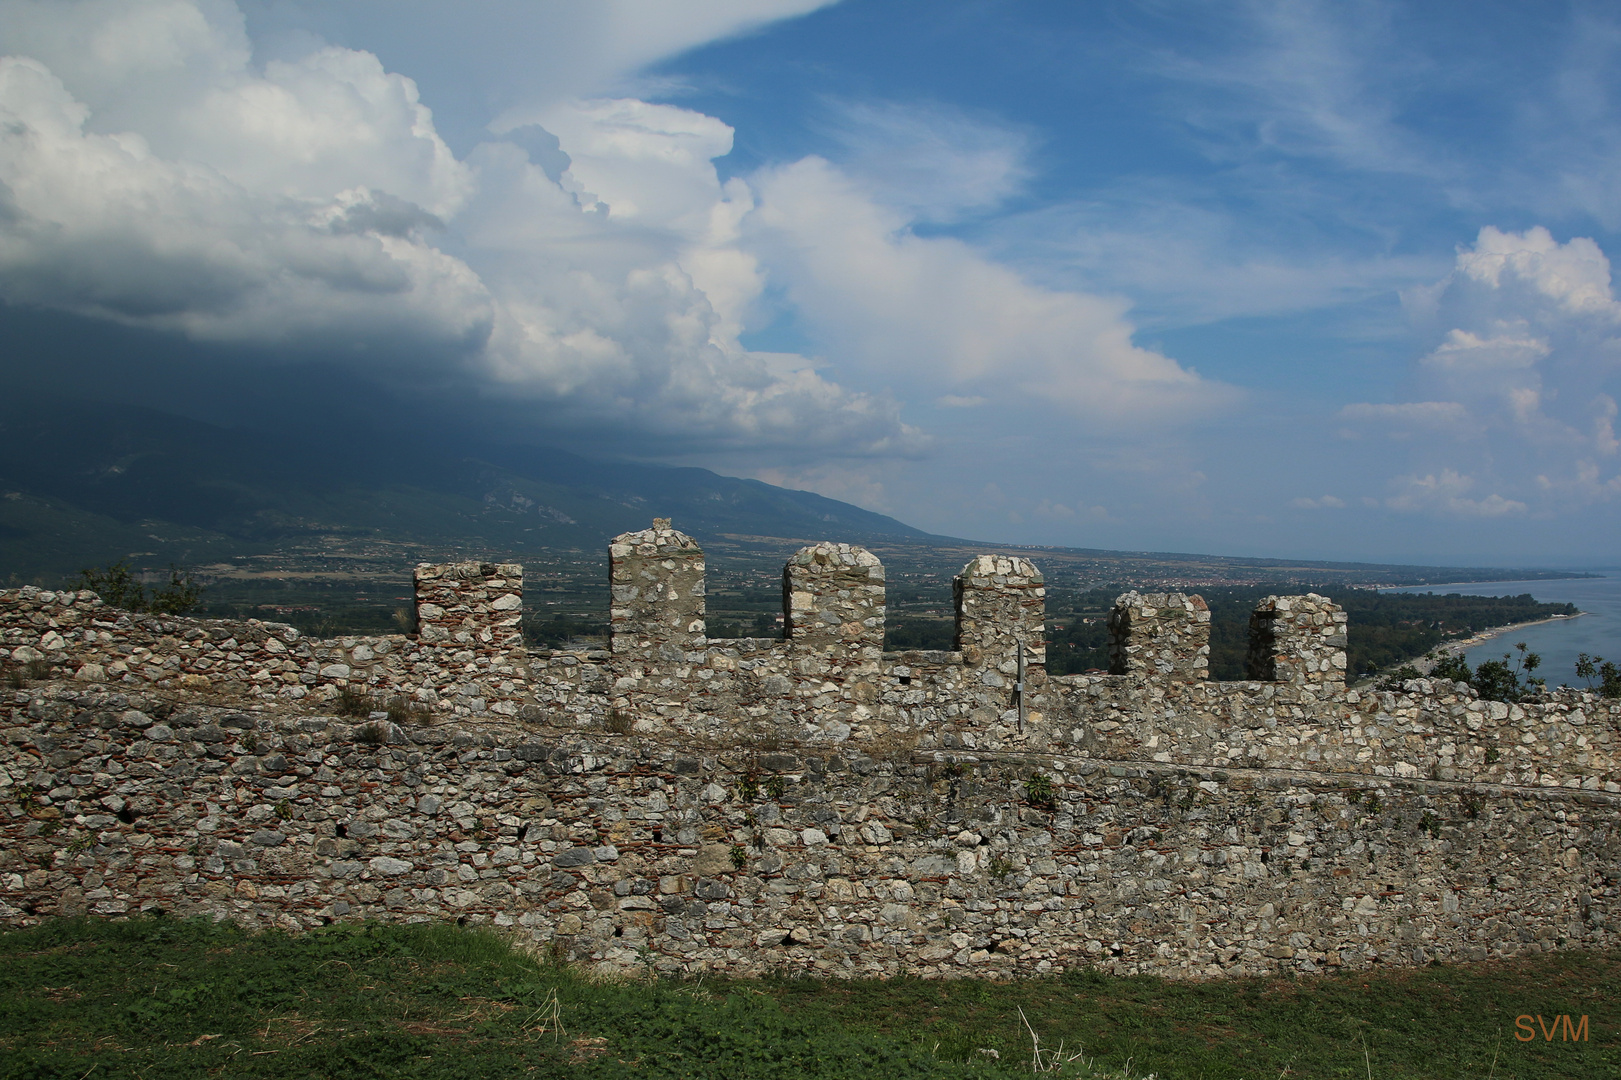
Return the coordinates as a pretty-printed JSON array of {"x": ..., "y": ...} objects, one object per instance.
[{"x": 1293, "y": 279}]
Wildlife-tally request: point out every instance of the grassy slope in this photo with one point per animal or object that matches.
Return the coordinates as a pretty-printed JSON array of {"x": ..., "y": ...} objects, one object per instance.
[
  {"x": 1441, "y": 1021},
  {"x": 156, "y": 998}
]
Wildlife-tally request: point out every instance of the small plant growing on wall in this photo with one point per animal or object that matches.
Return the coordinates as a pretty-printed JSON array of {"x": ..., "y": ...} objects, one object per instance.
[
  {"x": 1039, "y": 792},
  {"x": 181, "y": 595},
  {"x": 1493, "y": 755},
  {"x": 776, "y": 786},
  {"x": 404, "y": 711},
  {"x": 352, "y": 701},
  {"x": 740, "y": 857},
  {"x": 116, "y": 585},
  {"x": 748, "y": 788},
  {"x": 405, "y": 620}
]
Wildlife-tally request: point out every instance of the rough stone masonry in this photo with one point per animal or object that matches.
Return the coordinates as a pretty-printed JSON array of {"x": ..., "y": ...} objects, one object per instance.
[{"x": 804, "y": 804}]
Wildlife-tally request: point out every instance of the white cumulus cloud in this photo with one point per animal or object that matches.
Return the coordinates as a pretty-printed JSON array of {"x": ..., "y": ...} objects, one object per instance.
[
  {"x": 1448, "y": 492},
  {"x": 156, "y": 175},
  {"x": 586, "y": 258},
  {"x": 1523, "y": 373},
  {"x": 932, "y": 309},
  {"x": 100, "y": 224}
]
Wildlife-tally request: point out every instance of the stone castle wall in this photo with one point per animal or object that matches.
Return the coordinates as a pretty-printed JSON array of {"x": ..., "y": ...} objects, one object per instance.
[{"x": 811, "y": 803}]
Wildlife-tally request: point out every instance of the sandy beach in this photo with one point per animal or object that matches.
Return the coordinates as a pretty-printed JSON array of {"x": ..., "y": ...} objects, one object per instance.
[{"x": 1463, "y": 645}]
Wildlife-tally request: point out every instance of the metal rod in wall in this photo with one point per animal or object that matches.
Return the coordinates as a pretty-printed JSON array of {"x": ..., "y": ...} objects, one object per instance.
[{"x": 1018, "y": 686}]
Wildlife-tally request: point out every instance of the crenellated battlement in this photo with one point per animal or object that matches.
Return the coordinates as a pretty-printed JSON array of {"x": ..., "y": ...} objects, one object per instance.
[
  {"x": 1299, "y": 640},
  {"x": 827, "y": 680},
  {"x": 656, "y": 581},
  {"x": 1160, "y": 636},
  {"x": 833, "y": 608},
  {"x": 833, "y": 602},
  {"x": 806, "y": 803},
  {"x": 1001, "y": 607}
]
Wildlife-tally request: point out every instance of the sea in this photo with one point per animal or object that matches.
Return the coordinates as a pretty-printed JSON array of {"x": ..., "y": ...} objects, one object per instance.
[{"x": 1597, "y": 633}]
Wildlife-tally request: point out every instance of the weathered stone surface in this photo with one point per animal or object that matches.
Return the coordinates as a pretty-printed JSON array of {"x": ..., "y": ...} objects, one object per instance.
[
  {"x": 467, "y": 605},
  {"x": 833, "y": 601},
  {"x": 1160, "y": 636},
  {"x": 1001, "y": 604},
  {"x": 1299, "y": 640},
  {"x": 580, "y": 856},
  {"x": 804, "y": 804},
  {"x": 656, "y": 580}
]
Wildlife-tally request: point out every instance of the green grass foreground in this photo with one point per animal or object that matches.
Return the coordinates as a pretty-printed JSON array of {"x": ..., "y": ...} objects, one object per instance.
[{"x": 155, "y": 998}]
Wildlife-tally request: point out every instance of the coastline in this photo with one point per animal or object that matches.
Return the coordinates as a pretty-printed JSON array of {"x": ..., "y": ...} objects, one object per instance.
[
  {"x": 1587, "y": 575},
  {"x": 1463, "y": 645}
]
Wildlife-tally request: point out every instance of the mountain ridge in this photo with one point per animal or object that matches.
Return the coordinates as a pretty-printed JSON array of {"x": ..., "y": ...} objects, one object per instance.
[
  {"x": 117, "y": 483},
  {"x": 95, "y": 484}
]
